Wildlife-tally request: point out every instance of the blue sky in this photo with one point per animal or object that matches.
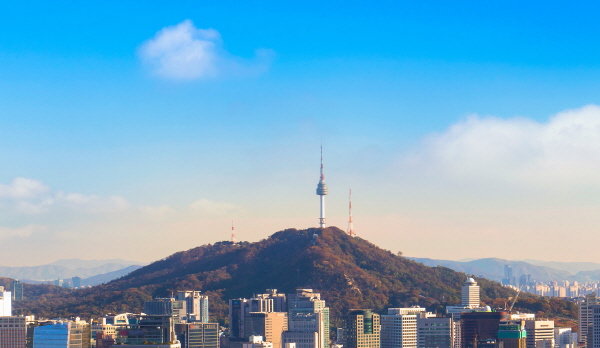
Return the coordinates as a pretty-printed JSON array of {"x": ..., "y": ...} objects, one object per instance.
[{"x": 85, "y": 110}]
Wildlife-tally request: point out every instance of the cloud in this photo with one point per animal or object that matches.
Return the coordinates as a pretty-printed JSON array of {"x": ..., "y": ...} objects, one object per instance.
[
  {"x": 22, "y": 188},
  {"x": 20, "y": 232},
  {"x": 29, "y": 196},
  {"x": 561, "y": 153},
  {"x": 184, "y": 52}
]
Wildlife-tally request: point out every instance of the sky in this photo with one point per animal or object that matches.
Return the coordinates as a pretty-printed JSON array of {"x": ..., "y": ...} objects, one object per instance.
[{"x": 135, "y": 129}]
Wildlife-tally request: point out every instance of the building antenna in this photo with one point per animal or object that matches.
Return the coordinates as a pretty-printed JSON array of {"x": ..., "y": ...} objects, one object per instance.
[
  {"x": 232, "y": 232},
  {"x": 322, "y": 192},
  {"x": 350, "y": 226}
]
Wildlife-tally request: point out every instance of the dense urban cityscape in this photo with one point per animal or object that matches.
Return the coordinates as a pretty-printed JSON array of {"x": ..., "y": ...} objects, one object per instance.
[{"x": 298, "y": 320}]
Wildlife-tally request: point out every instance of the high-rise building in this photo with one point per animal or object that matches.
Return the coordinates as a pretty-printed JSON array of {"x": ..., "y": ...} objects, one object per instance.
[
  {"x": 279, "y": 300},
  {"x": 196, "y": 305},
  {"x": 470, "y": 294},
  {"x": 5, "y": 303},
  {"x": 480, "y": 326},
  {"x": 13, "y": 332},
  {"x": 17, "y": 290},
  {"x": 540, "y": 333},
  {"x": 512, "y": 334},
  {"x": 308, "y": 320},
  {"x": 564, "y": 338},
  {"x": 148, "y": 329},
  {"x": 198, "y": 335},
  {"x": 269, "y": 325},
  {"x": 586, "y": 316},
  {"x": 363, "y": 329},
  {"x": 166, "y": 306},
  {"x": 508, "y": 275},
  {"x": 239, "y": 309},
  {"x": 76, "y": 282},
  {"x": 593, "y": 328},
  {"x": 435, "y": 332},
  {"x": 71, "y": 334},
  {"x": 399, "y": 327}
]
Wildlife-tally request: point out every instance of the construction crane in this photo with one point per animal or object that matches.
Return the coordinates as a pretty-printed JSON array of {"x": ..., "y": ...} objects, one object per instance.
[{"x": 515, "y": 299}]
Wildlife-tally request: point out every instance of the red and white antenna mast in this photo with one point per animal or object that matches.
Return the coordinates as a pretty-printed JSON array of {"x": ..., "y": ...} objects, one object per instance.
[
  {"x": 232, "y": 232},
  {"x": 350, "y": 227}
]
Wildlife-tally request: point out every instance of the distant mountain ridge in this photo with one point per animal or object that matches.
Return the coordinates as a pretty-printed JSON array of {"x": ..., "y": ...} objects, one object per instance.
[
  {"x": 66, "y": 268},
  {"x": 543, "y": 271},
  {"x": 349, "y": 272}
]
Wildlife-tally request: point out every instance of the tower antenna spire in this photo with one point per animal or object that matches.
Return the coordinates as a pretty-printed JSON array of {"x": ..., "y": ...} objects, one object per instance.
[
  {"x": 232, "y": 232},
  {"x": 322, "y": 192},
  {"x": 350, "y": 226}
]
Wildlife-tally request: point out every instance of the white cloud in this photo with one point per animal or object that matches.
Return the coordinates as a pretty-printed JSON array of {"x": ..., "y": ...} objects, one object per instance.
[
  {"x": 184, "y": 52},
  {"x": 22, "y": 188},
  {"x": 562, "y": 153},
  {"x": 29, "y": 196},
  {"x": 20, "y": 232}
]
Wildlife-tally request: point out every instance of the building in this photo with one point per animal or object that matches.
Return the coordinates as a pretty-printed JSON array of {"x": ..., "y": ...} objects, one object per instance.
[
  {"x": 239, "y": 309},
  {"x": 399, "y": 327},
  {"x": 198, "y": 335},
  {"x": 593, "y": 328},
  {"x": 586, "y": 316},
  {"x": 564, "y": 338},
  {"x": 308, "y": 320},
  {"x": 148, "y": 329},
  {"x": 163, "y": 345},
  {"x": 257, "y": 342},
  {"x": 470, "y": 294},
  {"x": 5, "y": 303},
  {"x": 512, "y": 334},
  {"x": 70, "y": 334},
  {"x": 508, "y": 276},
  {"x": 435, "y": 332},
  {"x": 480, "y": 326},
  {"x": 196, "y": 305},
  {"x": 269, "y": 325},
  {"x": 363, "y": 329},
  {"x": 166, "y": 306},
  {"x": 76, "y": 282},
  {"x": 17, "y": 290},
  {"x": 540, "y": 333},
  {"x": 13, "y": 332}
]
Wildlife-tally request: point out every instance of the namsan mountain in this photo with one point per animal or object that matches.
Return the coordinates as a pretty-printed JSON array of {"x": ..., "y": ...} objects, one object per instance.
[{"x": 350, "y": 272}]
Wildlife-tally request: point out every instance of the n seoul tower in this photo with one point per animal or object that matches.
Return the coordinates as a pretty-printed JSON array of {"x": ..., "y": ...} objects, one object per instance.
[{"x": 322, "y": 192}]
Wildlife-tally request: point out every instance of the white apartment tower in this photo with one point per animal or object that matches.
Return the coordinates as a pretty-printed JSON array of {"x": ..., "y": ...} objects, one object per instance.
[{"x": 470, "y": 294}]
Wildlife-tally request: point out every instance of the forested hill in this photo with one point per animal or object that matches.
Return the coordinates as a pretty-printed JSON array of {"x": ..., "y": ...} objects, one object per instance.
[{"x": 349, "y": 271}]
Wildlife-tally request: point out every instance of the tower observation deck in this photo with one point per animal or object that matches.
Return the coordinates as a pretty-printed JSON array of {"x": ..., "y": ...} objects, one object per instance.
[{"x": 322, "y": 192}]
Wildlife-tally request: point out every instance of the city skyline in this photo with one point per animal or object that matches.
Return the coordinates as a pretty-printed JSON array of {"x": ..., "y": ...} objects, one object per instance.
[{"x": 462, "y": 129}]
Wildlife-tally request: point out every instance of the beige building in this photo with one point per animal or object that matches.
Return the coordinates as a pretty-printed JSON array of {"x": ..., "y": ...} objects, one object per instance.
[
  {"x": 13, "y": 332},
  {"x": 363, "y": 329},
  {"x": 540, "y": 333},
  {"x": 269, "y": 325}
]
